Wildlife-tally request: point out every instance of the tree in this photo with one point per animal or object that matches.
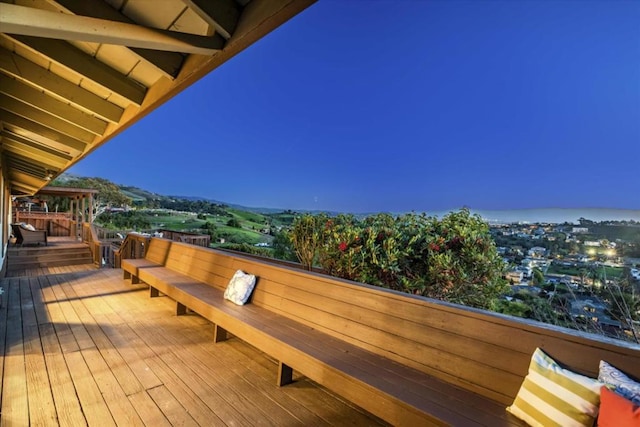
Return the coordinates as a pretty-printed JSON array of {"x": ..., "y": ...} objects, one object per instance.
[
  {"x": 211, "y": 229},
  {"x": 538, "y": 277},
  {"x": 109, "y": 194},
  {"x": 282, "y": 246},
  {"x": 233, "y": 222}
]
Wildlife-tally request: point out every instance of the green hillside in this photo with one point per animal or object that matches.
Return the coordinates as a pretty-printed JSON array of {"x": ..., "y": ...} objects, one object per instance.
[{"x": 147, "y": 212}]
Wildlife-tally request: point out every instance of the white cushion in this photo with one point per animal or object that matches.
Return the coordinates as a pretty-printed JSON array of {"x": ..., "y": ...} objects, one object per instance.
[
  {"x": 553, "y": 396},
  {"x": 240, "y": 287},
  {"x": 28, "y": 227}
]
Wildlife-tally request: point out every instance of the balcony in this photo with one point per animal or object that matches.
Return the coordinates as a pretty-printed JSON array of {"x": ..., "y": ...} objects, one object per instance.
[{"x": 83, "y": 346}]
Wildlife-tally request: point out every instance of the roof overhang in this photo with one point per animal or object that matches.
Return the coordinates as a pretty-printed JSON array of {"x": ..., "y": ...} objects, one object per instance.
[{"x": 75, "y": 73}]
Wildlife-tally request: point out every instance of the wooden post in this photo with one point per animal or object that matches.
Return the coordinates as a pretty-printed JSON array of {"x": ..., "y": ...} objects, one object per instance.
[
  {"x": 219, "y": 334},
  {"x": 180, "y": 309},
  {"x": 91, "y": 208},
  {"x": 285, "y": 374}
]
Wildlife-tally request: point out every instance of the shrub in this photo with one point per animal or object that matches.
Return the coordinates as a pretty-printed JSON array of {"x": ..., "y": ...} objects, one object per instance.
[{"x": 453, "y": 259}]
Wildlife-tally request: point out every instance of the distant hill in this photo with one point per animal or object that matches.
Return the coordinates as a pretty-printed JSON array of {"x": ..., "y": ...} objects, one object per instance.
[{"x": 550, "y": 215}]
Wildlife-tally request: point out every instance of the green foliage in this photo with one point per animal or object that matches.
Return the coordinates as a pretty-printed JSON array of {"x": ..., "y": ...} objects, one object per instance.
[
  {"x": 538, "y": 277},
  {"x": 199, "y": 206},
  {"x": 305, "y": 237},
  {"x": 131, "y": 220},
  {"x": 453, "y": 259},
  {"x": 249, "y": 249},
  {"x": 233, "y": 222},
  {"x": 109, "y": 194},
  {"x": 211, "y": 229},
  {"x": 282, "y": 247}
]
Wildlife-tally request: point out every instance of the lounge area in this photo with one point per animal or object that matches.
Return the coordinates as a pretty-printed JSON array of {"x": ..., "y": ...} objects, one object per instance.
[{"x": 25, "y": 234}]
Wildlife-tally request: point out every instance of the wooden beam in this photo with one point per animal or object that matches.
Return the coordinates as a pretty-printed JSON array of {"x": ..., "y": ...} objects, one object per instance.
[
  {"x": 25, "y": 188},
  {"x": 26, "y": 167},
  {"x": 48, "y": 133},
  {"x": 25, "y": 70},
  {"x": 25, "y": 110},
  {"x": 168, "y": 63},
  {"x": 33, "y": 147},
  {"x": 30, "y": 21},
  {"x": 25, "y": 179},
  {"x": 33, "y": 154},
  {"x": 50, "y": 105},
  {"x": 84, "y": 65},
  {"x": 223, "y": 15}
]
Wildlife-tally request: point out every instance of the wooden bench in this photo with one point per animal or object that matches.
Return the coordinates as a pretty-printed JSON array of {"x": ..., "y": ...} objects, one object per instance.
[
  {"x": 405, "y": 359},
  {"x": 154, "y": 256},
  {"x": 24, "y": 236}
]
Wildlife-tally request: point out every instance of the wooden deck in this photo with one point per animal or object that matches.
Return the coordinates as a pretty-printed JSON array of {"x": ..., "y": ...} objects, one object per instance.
[{"x": 81, "y": 346}]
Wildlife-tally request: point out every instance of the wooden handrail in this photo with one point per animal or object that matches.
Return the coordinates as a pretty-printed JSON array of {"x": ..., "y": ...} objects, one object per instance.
[
  {"x": 133, "y": 246},
  {"x": 102, "y": 243}
]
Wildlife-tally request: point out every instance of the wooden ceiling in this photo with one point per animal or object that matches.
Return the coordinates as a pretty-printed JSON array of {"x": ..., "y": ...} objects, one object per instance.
[{"x": 74, "y": 73}]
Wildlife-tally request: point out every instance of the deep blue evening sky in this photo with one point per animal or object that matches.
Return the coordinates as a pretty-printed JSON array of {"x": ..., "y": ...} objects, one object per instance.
[{"x": 369, "y": 106}]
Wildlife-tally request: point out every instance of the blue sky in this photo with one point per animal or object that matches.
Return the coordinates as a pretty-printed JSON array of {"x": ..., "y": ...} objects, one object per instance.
[{"x": 367, "y": 106}]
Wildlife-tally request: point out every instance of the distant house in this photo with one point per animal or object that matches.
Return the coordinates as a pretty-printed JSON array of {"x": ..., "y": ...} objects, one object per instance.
[
  {"x": 594, "y": 310},
  {"x": 578, "y": 230},
  {"x": 514, "y": 276},
  {"x": 591, "y": 243},
  {"x": 537, "y": 252}
]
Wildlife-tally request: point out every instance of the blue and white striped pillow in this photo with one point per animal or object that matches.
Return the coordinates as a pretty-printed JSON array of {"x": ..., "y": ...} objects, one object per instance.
[{"x": 553, "y": 396}]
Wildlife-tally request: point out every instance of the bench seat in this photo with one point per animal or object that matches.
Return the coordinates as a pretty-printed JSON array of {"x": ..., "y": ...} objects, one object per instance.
[
  {"x": 155, "y": 255},
  {"x": 330, "y": 361},
  {"x": 131, "y": 268}
]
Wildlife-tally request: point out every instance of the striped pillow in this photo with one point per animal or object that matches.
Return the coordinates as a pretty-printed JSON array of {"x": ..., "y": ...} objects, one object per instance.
[{"x": 553, "y": 396}]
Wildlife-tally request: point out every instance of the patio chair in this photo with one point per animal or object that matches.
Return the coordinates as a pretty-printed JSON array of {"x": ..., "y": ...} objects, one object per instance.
[{"x": 25, "y": 236}]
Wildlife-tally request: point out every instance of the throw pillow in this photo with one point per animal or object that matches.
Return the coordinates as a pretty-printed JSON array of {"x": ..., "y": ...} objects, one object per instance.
[
  {"x": 28, "y": 227},
  {"x": 553, "y": 396},
  {"x": 616, "y": 411},
  {"x": 240, "y": 287},
  {"x": 622, "y": 384}
]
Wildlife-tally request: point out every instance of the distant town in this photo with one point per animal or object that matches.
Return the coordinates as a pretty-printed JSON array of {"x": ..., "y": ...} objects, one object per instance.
[{"x": 589, "y": 270}]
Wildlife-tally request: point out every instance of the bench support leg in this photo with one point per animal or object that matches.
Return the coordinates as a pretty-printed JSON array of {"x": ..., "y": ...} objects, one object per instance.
[
  {"x": 153, "y": 292},
  {"x": 219, "y": 334},
  {"x": 126, "y": 275},
  {"x": 134, "y": 280},
  {"x": 180, "y": 309},
  {"x": 285, "y": 374}
]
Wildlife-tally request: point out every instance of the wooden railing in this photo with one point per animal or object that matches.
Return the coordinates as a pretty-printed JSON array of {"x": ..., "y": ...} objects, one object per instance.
[
  {"x": 103, "y": 243},
  {"x": 197, "y": 239},
  {"x": 133, "y": 246},
  {"x": 56, "y": 223}
]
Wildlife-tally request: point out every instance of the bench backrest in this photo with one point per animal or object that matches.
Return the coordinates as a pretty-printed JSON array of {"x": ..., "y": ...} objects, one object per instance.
[
  {"x": 157, "y": 250},
  {"x": 484, "y": 352}
]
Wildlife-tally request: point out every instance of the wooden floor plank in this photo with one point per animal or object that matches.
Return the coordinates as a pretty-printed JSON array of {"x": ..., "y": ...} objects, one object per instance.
[
  {"x": 150, "y": 413},
  {"x": 171, "y": 407},
  {"x": 264, "y": 384},
  {"x": 69, "y": 308},
  {"x": 123, "y": 412},
  {"x": 62, "y": 387},
  {"x": 3, "y": 328},
  {"x": 42, "y": 410},
  {"x": 15, "y": 410},
  {"x": 201, "y": 413},
  {"x": 93, "y": 405}
]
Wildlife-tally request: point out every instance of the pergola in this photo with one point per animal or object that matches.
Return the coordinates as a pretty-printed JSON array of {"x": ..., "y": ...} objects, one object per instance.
[
  {"x": 75, "y": 73},
  {"x": 81, "y": 208}
]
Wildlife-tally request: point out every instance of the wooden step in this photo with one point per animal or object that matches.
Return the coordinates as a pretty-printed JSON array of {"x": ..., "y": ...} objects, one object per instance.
[{"x": 33, "y": 257}]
